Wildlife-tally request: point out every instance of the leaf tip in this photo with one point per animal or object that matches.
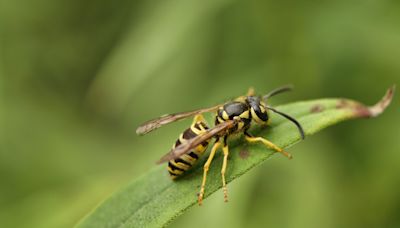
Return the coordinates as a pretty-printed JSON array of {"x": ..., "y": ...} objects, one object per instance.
[{"x": 378, "y": 108}]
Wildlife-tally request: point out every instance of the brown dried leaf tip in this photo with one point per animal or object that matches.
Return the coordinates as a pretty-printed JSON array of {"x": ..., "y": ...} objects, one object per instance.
[{"x": 378, "y": 108}]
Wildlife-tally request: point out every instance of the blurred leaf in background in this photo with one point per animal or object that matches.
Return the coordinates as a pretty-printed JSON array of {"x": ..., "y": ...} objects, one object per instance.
[{"x": 77, "y": 77}]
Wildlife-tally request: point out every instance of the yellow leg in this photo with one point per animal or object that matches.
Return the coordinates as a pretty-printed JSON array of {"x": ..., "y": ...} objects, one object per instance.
[
  {"x": 250, "y": 92},
  {"x": 269, "y": 145},
  {"x": 225, "y": 149},
  {"x": 205, "y": 170},
  {"x": 198, "y": 118}
]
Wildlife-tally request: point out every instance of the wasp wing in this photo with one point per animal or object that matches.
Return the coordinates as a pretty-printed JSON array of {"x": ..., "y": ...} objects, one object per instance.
[
  {"x": 166, "y": 119},
  {"x": 192, "y": 143}
]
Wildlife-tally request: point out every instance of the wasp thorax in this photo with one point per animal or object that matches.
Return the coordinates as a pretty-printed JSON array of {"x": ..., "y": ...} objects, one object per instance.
[{"x": 257, "y": 109}]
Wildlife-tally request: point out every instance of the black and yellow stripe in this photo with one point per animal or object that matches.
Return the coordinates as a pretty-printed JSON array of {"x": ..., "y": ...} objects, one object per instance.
[
  {"x": 178, "y": 166},
  {"x": 236, "y": 109}
]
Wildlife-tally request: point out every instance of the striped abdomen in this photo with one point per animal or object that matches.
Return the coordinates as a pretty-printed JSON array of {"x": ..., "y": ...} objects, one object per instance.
[{"x": 180, "y": 165}]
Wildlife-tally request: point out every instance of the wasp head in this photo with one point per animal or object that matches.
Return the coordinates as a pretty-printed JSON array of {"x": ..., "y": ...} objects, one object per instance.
[{"x": 258, "y": 110}]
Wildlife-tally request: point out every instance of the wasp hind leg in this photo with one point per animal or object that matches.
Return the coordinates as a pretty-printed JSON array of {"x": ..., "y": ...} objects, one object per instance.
[
  {"x": 225, "y": 150},
  {"x": 214, "y": 149},
  {"x": 267, "y": 143},
  {"x": 198, "y": 118}
]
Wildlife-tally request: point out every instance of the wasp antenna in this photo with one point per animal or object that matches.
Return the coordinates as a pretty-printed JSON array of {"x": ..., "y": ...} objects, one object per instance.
[
  {"x": 279, "y": 90},
  {"x": 291, "y": 119}
]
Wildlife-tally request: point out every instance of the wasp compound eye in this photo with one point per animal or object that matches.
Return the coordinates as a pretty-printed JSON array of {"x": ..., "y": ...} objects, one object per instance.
[{"x": 258, "y": 111}]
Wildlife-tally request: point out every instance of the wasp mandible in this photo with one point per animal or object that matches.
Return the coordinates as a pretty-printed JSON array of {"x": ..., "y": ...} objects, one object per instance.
[{"x": 231, "y": 118}]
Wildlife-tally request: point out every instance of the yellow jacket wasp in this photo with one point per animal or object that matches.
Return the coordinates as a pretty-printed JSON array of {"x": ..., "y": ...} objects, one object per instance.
[{"x": 231, "y": 117}]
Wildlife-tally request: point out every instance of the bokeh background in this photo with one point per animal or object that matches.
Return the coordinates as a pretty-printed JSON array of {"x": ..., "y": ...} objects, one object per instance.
[{"x": 77, "y": 77}]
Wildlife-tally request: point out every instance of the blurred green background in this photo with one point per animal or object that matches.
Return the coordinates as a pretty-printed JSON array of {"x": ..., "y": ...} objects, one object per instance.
[{"x": 77, "y": 77}]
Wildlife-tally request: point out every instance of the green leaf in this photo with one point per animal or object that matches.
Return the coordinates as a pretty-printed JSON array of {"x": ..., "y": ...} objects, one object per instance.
[{"x": 154, "y": 200}]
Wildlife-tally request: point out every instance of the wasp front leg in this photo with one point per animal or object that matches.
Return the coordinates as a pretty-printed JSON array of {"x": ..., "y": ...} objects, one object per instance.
[{"x": 267, "y": 143}]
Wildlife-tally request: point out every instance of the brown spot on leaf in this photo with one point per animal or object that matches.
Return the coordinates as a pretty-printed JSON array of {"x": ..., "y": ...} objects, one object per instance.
[
  {"x": 317, "y": 108},
  {"x": 342, "y": 103},
  {"x": 244, "y": 153}
]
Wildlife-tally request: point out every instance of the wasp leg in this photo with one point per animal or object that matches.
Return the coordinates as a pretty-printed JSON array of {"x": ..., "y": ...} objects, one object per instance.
[
  {"x": 267, "y": 143},
  {"x": 205, "y": 170},
  {"x": 225, "y": 150},
  {"x": 250, "y": 92},
  {"x": 198, "y": 118}
]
